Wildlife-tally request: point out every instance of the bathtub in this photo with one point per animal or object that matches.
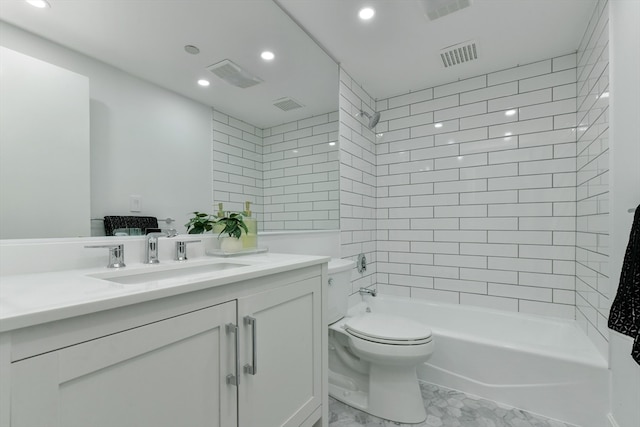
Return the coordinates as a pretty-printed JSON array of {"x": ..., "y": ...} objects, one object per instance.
[{"x": 542, "y": 365}]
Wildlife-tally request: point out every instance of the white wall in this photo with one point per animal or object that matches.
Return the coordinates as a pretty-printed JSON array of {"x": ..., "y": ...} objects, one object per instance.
[
  {"x": 44, "y": 149},
  {"x": 476, "y": 190},
  {"x": 237, "y": 165},
  {"x": 624, "y": 34},
  {"x": 357, "y": 180},
  {"x": 301, "y": 174},
  {"x": 145, "y": 140},
  {"x": 593, "y": 293}
]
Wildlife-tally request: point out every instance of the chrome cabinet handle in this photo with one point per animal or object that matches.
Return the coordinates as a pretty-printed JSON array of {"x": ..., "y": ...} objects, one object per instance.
[
  {"x": 252, "y": 368},
  {"x": 231, "y": 378}
]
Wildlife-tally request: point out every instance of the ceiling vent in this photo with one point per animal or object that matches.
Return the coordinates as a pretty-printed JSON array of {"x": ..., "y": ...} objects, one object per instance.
[
  {"x": 459, "y": 53},
  {"x": 287, "y": 104},
  {"x": 233, "y": 74},
  {"x": 438, "y": 8}
]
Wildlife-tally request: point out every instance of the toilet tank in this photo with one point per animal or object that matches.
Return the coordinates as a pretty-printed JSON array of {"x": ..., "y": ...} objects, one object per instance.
[{"x": 339, "y": 287}]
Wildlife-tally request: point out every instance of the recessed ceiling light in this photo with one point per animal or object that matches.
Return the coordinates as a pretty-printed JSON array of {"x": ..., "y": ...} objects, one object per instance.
[
  {"x": 332, "y": 143},
  {"x": 510, "y": 112},
  {"x": 438, "y": 125},
  {"x": 366, "y": 13},
  {"x": 203, "y": 82},
  {"x": 192, "y": 49},
  {"x": 267, "y": 56},
  {"x": 39, "y": 3},
  {"x": 604, "y": 95}
]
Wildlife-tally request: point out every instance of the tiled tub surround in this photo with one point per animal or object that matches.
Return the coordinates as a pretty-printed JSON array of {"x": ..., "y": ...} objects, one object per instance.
[
  {"x": 289, "y": 172},
  {"x": 539, "y": 364},
  {"x": 593, "y": 291},
  {"x": 476, "y": 190},
  {"x": 357, "y": 180}
]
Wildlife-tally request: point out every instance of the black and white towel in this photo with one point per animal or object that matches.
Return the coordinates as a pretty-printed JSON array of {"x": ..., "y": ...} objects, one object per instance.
[
  {"x": 111, "y": 223},
  {"x": 625, "y": 311}
]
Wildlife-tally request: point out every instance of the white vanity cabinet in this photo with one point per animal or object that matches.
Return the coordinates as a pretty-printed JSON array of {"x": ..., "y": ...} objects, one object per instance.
[
  {"x": 159, "y": 374},
  {"x": 286, "y": 387},
  {"x": 189, "y": 360}
]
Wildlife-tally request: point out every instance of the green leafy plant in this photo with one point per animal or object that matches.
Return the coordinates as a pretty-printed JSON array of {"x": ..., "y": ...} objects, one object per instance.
[
  {"x": 200, "y": 223},
  {"x": 233, "y": 225}
]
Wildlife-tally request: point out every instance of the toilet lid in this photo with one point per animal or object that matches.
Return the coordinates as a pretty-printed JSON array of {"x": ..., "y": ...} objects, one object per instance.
[{"x": 388, "y": 329}]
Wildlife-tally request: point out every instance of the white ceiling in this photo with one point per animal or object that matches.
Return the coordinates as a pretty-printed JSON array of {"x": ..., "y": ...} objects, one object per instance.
[
  {"x": 397, "y": 51},
  {"x": 147, "y": 37},
  {"x": 394, "y": 53}
]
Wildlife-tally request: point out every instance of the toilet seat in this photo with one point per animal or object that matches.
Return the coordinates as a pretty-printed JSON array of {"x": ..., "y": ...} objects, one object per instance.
[{"x": 386, "y": 329}]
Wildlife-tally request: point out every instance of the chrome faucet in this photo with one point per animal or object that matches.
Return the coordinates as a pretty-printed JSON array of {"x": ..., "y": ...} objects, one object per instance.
[
  {"x": 116, "y": 254},
  {"x": 365, "y": 291},
  {"x": 152, "y": 244}
]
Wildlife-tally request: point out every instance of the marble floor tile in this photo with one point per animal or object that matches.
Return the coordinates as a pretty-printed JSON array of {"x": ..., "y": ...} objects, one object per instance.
[{"x": 445, "y": 408}]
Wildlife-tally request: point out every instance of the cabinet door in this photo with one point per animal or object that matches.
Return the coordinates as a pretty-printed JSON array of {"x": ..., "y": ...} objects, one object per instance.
[
  {"x": 286, "y": 386},
  {"x": 169, "y": 373}
]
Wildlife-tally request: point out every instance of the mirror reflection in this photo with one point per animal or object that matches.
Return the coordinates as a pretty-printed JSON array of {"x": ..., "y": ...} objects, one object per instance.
[{"x": 157, "y": 143}]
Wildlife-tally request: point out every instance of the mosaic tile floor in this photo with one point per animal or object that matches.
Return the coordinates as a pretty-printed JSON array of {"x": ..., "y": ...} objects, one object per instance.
[{"x": 445, "y": 408}]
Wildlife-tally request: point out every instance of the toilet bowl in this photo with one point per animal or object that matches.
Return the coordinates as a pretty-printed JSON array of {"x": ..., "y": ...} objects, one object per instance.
[{"x": 373, "y": 356}]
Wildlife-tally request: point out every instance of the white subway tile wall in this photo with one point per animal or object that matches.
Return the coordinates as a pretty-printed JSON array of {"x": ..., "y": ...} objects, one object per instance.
[
  {"x": 237, "y": 164},
  {"x": 476, "y": 190},
  {"x": 301, "y": 175},
  {"x": 358, "y": 179},
  {"x": 593, "y": 296},
  {"x": 289, "y": 172}
]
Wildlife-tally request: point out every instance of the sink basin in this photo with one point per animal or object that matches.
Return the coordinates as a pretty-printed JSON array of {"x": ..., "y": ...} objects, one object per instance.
[{"x": 132, "y": 278}]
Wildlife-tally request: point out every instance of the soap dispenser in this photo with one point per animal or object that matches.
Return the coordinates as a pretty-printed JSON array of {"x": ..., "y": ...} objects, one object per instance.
[{"x": 250, "y": 238}]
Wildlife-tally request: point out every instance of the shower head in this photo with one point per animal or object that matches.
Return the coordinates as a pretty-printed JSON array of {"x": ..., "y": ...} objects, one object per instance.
[{"x": 373, "y": 119}]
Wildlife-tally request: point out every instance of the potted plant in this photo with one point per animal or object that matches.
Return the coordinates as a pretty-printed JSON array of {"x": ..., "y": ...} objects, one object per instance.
[
  {"x": 200, "y": 223},
  {"x": 234, "y": 226}
]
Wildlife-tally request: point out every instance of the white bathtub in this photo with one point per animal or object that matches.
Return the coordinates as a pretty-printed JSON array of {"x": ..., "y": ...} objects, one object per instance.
[{"x": 542, "y": 365}]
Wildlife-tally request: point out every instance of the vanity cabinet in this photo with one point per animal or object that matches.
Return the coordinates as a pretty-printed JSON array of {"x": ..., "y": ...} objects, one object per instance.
[
  {"x": 154, "y": 375},
  {"x": 286, "y": 386},
  {"x": 251, "y": 358}
]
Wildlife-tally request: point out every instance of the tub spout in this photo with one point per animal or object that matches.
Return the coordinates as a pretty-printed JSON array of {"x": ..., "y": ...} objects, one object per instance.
[{"x": 365, "y": 291}]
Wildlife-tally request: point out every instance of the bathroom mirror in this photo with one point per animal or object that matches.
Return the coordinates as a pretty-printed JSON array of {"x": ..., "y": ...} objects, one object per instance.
[{"x": 162, "y": 145}]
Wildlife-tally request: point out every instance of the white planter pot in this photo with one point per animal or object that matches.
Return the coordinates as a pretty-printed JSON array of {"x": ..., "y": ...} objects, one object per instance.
[{"x": 231, "y": 244}]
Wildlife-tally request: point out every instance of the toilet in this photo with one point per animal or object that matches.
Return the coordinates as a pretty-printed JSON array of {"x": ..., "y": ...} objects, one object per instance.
[{"x": 373, "y": 356}]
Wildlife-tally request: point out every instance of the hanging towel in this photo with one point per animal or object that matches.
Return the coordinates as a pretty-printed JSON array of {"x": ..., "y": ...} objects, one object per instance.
[
  {"x": 142, "y": 222},
  {"x": 625, "y": 311}
]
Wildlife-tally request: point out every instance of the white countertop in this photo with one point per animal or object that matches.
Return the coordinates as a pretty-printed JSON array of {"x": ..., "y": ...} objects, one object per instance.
[{"x": 31, "y": 299}]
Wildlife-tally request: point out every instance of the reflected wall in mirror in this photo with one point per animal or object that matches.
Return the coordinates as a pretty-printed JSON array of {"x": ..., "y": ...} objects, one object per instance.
[
  {"x": 290, "y": 171},
  {"x": 153, "y": 148}
]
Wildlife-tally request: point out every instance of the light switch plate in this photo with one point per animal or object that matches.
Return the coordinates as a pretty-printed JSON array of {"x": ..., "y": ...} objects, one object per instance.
[{"x": 135, "y": 203}]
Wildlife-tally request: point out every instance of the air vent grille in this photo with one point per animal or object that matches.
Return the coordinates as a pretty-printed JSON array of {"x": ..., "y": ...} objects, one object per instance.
[
  {"x": 233, "y": 74},
  {"x": 287, "y": 104},
  {"x": 438, "y": 8},
  {"x": 459, "y": 54}
]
